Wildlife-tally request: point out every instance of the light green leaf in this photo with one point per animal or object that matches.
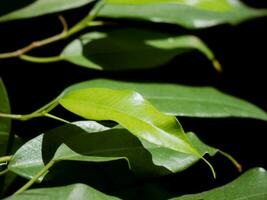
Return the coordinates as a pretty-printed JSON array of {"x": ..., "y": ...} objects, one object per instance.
[
  {"x": 75, "y": 191},
  {"x": 17, "y": 9},
  {"x": 252, "y": 185},
  {"x": 90, "y": 140},
  {"x": 4, "y": 123},
  {"x": 183, "y": 100},
  {"x": 190, "y": 14},
  {"x": 130, "y": 48},
  {"x": 133, "y": 112}
]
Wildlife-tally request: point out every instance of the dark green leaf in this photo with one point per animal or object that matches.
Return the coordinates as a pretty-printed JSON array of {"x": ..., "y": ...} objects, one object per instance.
[
  {"x": 29, "y": 159},
  {"x": 190, "y": 14},
  {"x": 17, "y": 9},
  {"x": 252, "y": 185},
  {"x": 130, "y": 48},
  {"x": 90, "y": 140},
  {"x": 75, "y": 191},
  {"x": 4, "y": 123},
  {"x": 183, "y": 100}
]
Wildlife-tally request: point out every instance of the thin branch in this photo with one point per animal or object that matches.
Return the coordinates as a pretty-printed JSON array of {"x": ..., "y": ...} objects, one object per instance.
[
  {"x": 39, "y": 43},
  {"x": 36, "y": 177},
  {"x": 3, "y": 172},
  {"x": 5, "y": 159}
]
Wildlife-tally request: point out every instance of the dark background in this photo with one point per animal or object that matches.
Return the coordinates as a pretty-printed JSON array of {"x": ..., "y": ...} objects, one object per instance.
[{"x": 240, "y": 49}]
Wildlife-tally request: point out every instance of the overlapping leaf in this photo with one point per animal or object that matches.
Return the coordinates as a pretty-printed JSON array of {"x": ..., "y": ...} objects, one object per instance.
[
  {"x": 89, "y": 141},
  {"x": 133, "y": 112},
  {"x": 190, "y": 14},
  {"x": 17, "y": 9},
  {"x": 183, "y": 100},
  {"x": 75, "y": 191},
  {"x": 250, "y": 185},
  {"x": 130, "y": 48}
]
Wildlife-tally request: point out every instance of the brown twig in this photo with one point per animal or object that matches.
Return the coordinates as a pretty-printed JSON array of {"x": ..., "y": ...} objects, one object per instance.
[{"x": 39, "y": 43}]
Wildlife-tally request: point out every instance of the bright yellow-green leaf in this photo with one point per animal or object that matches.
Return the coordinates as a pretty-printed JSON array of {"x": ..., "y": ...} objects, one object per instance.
[{"x": 133, "y": 112}]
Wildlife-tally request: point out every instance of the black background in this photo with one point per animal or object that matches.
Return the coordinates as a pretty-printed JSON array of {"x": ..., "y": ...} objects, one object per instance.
[{"x": 240, "y": 49}]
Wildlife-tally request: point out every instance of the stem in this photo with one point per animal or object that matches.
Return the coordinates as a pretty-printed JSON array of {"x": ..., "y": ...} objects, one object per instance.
[
  {"x": 5, "y": 159},
  {"x": 85, "y": 22},
  {"x": 11, "y": 116},
  {"x": 40, "y": 59},
  {"x": 233, "y": 160},
  {"x": 56, "y": 118},
  {"x": 36, "y": 177},
  {"x": 39, "y": 43},
  {"x": 48, "y": 107},
  {"x": 4, "y": 172},
  {"x": 217, "y": 65},
  {"x": 211, "y": 167}
]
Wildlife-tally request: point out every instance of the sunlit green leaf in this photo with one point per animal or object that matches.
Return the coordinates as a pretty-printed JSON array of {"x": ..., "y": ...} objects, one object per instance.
[
  {"x": 88, "y": 141},
  {"x": 17, "y": 9},
  {"x": 75, "y": 191},
  {"x": 190, "y": 14},
  {"x": 130, "y": 48},
  {"x": 181, "y": 100},
  {"x": 133, "y": 112},
  {"x": 252, "y": 185}
]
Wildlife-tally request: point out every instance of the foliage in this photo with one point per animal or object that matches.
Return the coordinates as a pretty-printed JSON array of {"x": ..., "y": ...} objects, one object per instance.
[{"x": 135, "y": 128}]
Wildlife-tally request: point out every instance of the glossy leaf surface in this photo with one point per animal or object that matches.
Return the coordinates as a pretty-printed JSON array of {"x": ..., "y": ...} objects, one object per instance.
[
  {"x": 181, "y": 100},
  {"x": 133, "y": 112},
  {"x": 89, "y": 140},
  {"x": 130, "y": 48},
  {"x": 17, "y": 9},
  {"x": 75, "y": 191},
  {"x": 252, "y": 185},
  {"x": 190, "y": 14}
]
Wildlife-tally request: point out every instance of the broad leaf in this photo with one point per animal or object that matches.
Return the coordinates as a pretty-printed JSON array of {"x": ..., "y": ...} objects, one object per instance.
[
  {"x": 88, "y": 141},
  {"x": 17, "y": 9},
  {"x": 4, "y": 123},
  {"x": 190, "y": 14},
  {"x": 133, "y": 112},
  {"x": 130, "y": 48},
  {"x": 75, "y": 191},
  {"x": 252, "y": 185},
  {"x": 183, "y": 100},
  {"x": 32, "y": 156}
]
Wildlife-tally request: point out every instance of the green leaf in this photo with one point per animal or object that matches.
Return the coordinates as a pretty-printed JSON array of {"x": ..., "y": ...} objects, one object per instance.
[
  {"x": 183, "y": 100},
  {"x": 17, "y": 9},
  {"x": 252, "y": 185},
  {"x": 90, "y": 140},
  {"x": 75, "y": 191},
  {"x": 4, "y": 123},
  {"x": 133, "y": 112},
  {"x": 33, "y": 155},
  {"x": 190, "y": 14},
  {"x": 130, "y": 48}
]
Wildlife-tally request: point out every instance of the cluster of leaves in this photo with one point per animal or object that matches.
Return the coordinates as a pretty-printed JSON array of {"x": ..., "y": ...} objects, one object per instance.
[{"x": 145, "y": 139}]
